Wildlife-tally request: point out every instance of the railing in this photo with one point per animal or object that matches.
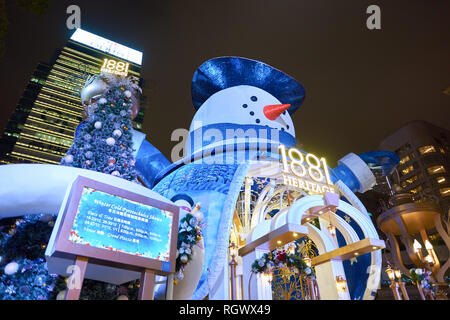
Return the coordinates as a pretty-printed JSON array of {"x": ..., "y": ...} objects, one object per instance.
[{"x": 287, "y": 285}]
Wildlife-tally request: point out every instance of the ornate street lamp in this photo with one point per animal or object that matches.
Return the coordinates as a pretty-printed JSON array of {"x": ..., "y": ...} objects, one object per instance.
[
  {"x": 233, "y": 263},
  {"x": 394, "y": 286},
  {"x": 401, "y": 283},
  {"x": 341, "y": 284},
  {"x": 307, "y": 260},
  {"x": 332, "y": 230},
  {"x": 404, "y": 218}
]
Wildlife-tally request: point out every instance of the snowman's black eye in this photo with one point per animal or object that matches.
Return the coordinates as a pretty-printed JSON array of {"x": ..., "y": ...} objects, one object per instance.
[
  {"x": 252, "y": 113},
  {"x": 254, "y": 99},
  {"x": 245, "y": 106},
  {"x": 284, "y": 113},
  {"x": 287, "y": 127},
  {"x": 258, "y": 121},
  {"x": 282, "y": 129}
]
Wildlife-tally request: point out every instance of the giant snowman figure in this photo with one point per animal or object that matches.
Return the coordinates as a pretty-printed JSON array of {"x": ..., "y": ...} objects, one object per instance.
[{"x": 244, "y": 110}]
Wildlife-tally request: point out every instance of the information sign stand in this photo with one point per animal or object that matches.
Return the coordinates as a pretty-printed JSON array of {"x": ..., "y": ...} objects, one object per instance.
[{"x": 109, "y": 234}]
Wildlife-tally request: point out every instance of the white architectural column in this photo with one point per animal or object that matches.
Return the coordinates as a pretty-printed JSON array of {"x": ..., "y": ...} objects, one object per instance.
[
  {"x": 326, "y": 273},
  {"x": 255, "y": 287}
]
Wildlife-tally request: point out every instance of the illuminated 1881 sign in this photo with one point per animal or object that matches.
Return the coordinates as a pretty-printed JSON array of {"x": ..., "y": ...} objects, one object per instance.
[
  {"x": 115, "y": 67},
  {"x": 308, "y": 172}
]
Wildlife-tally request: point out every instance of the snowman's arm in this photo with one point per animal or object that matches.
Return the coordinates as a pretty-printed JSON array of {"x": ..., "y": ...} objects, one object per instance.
[
  {"x": 355, "y": 171},
  {"x": 149, "y": 160}
]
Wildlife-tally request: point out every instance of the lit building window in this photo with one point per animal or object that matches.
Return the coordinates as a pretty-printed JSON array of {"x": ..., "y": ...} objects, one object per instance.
[
  {"x": 436, "y": 169},
  {"x": 445, "y": 192},
  {"x": 404, "y": 160},
  {"x": 411, "y": 180},
  {"x": 416, "y": 190},
  {"x": 427, "y": 149},
  {"x": 408, "y": 170},
  {"x": 441, "y": 180}
]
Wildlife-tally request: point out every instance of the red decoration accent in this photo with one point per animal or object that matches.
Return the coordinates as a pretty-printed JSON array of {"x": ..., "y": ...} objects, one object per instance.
[
  {"x": 273, "y": 112},
  {"x": 281, "y": 256}
]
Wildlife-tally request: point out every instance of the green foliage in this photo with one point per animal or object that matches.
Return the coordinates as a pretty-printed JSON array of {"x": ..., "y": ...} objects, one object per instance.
[
  {"x": 4, "y": 22},
  {"x": 28, "y": 240},
  {"x": 30, "y": 282},
  {"x": 23, "y": 241},
  {"x": 37, "y": 7}
]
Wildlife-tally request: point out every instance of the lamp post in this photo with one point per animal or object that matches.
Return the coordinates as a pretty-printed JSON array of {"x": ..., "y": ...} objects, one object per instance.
[
  {"x": 430, "y": 258},
  {"x": 233, "y": 253},
  {"x": 332, "y": 230},
  {"x": 341, "y": 284},
  {"x": 401, "y": 283},
  {"x": 394, "y": 285},
  {"x": 418, "y": 249},
  {"x": 307, "y": 261}
]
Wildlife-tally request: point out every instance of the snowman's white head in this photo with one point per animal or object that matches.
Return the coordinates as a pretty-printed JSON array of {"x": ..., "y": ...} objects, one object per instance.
[{"x": 245, "y": 105}]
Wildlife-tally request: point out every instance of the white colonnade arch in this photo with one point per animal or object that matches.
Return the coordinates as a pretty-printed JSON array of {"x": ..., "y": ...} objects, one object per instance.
[{"x": 324, "y": 240}]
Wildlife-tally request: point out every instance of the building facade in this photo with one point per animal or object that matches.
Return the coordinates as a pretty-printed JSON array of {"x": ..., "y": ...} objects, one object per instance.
[
  {"x": 424, "y": 169},
  {"x": 44, "y": 122}
]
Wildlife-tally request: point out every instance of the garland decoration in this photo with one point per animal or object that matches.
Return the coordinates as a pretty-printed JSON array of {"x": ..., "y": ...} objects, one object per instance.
[
  {"x": 281, "y": 258},
  {"x": 423, "y": 278},
  {"x": 189, "y": 235}
]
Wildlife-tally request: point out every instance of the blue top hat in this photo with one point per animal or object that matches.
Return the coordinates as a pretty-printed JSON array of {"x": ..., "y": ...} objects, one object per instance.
[{"x": 226, "y": 72}]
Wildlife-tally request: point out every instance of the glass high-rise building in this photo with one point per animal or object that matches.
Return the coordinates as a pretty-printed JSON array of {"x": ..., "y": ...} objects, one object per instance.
[{"x": 43, "y": 125}]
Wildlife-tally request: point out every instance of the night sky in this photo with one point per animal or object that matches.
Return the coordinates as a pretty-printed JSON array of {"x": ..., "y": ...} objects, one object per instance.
[{"x": 361, "y": 85}]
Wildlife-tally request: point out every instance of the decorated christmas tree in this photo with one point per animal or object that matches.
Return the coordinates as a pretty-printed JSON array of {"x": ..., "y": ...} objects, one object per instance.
[{"x": 103, "y": 143}]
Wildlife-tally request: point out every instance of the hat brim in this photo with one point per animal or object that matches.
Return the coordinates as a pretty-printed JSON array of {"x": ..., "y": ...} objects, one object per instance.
[{"x": 226, "y": 72}]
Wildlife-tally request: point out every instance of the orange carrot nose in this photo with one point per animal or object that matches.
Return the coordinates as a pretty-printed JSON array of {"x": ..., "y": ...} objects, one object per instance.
[{"x": 273, "y": 112}]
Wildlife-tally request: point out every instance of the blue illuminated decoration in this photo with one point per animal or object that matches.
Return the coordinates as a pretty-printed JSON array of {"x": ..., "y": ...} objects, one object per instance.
[
  {"x": 384, "y": 160},
  {"x": 113, "y": 223}
]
